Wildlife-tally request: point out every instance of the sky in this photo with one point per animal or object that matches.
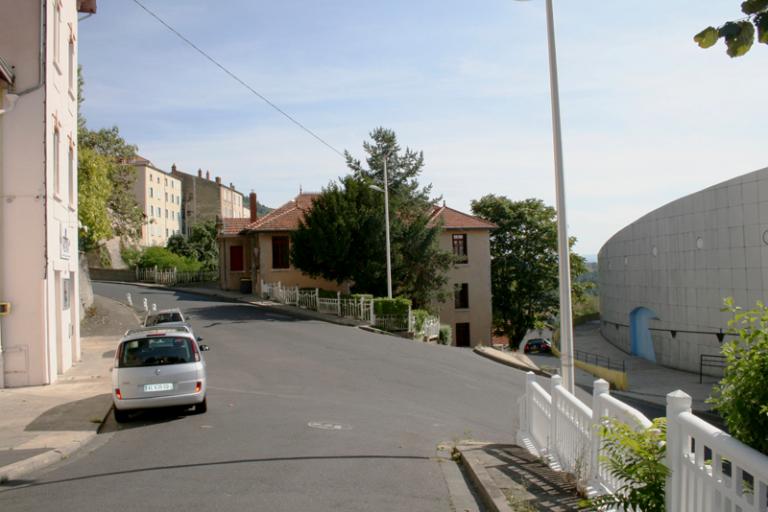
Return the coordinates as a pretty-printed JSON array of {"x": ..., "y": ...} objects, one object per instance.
[{"x": 647, "y": 116}]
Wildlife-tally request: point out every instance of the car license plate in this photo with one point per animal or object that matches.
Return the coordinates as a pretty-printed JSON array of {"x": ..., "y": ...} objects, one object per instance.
[{"x": 158, "y": 387}]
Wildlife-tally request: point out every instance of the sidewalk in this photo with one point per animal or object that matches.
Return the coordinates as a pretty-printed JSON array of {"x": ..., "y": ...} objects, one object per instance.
[{"x": 48, "y": 423}]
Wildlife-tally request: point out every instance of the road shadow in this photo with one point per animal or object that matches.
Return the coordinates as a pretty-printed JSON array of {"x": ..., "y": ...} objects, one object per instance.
[
  {"x": 85, "y": 414},
  {"x": 239, "y": 313},
  {"x": 14, "y": 485},
  {"x": 145, "y": 418}
]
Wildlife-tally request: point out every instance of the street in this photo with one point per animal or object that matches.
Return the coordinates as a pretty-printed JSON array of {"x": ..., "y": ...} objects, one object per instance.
[{"x": 303, "y": 415}]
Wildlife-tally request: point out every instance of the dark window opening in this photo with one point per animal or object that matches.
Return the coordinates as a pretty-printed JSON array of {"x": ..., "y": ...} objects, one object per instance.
[
  {"x": 460, "y": 248},
  {"x": 280, "y": 252},
  {"x": 462, "y": 335},
  {"x": 236, "y": 258},
  {"x": 461, "y": 296}
]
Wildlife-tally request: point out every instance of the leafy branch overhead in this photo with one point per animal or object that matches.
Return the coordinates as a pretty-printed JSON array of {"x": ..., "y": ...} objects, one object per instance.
[{"x": 739, "y": 35}]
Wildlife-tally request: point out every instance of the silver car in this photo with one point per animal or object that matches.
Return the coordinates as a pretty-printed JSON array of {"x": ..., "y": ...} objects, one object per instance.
[
  {"x": 158, "y": 368},
  {"x": 163, "y": 316}
]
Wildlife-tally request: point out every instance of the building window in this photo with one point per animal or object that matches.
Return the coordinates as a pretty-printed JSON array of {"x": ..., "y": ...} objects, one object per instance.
[
  {"x": 166, "y": 184},
  {"x": 461, "y": 296},
  {"x": 56, "y": 163},
  {"x": 151, "y": 211},
  {"x": 236, "y": 258},
  {"x": 462, "y": 334},
  {"x": 71, "y": 62},
  {"x": 166, "y": 197},
  {"x": 66, "y": 293},
  {"x": 71, "y": 173},
  {"x": 460, "y": 248},
  {"x": 166, "y": 232},
  {"x": 280, "y": 252},
  {"x": 56, "y": 32},
  {"x": 151, "y": 192}
]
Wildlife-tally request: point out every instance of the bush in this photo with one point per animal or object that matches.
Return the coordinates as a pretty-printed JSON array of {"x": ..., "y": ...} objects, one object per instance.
[
  {"x": 130, "y": 255},
  {"x": 446, "y": 335},
  {"x": 637, "y": 459},
  {"x": 164, "y": 259},
  {"x": 740, "y": 397},
  {"x": 419, "y": 316},
  {"x": 398, "y": 306}
]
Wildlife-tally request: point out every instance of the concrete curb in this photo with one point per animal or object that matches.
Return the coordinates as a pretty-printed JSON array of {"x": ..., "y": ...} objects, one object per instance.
[
  {"x": 500, "y": 357},
  {"x": 491, "y": 496}
]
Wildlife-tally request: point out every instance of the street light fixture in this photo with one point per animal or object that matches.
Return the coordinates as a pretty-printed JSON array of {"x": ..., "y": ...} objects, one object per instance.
[
  {"x": 386, "y": 225},
  {"x": 563, "y": 252}
]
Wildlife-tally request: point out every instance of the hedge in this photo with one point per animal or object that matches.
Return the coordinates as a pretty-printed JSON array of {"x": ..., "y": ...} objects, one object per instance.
[{"x": 398, "y": 306}]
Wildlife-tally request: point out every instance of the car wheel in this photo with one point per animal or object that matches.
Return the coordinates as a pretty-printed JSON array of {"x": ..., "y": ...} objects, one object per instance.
[
  {"x": 120, "y": 416},
  {"x": 202, "y": 407}
]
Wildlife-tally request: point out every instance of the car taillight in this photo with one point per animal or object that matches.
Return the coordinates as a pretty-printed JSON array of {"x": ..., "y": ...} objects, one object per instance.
[
  {"x": 195, "y": 352},
  {"x": 198, "y": 386},
  {"x": 118, "y": 394}
]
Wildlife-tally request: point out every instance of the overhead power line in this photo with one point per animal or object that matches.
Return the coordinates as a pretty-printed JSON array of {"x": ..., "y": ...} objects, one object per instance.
[{"x": 238, "y": 79}]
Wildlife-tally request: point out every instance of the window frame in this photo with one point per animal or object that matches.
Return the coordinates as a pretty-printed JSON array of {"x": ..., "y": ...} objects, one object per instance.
[
  {"x": 281, "y": 252},
  {"x": 461, "y": 296},
  {"x": 458, "y": 242}
]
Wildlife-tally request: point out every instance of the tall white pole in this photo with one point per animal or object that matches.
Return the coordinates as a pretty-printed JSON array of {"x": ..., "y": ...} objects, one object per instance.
[
  {"x": 566, "y": 322},
  {"x": 386, "y": 220}
]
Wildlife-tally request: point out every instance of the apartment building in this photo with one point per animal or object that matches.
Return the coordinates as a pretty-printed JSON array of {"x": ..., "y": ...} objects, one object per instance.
[
  {"x": 39, "y": 326},
  {"x": 159, "y": 194},
  {"x": 206, "y": 200}
]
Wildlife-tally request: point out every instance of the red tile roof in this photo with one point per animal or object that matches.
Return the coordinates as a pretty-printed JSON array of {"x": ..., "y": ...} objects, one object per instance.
[
  {"x": 454, "y": 219},
  {"x": 289, "y": 215},
  {"x": 232, "y": 226}
]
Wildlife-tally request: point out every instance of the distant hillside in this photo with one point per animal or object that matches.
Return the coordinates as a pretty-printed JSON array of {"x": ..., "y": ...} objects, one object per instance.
[{"x": 262, "y": 210}]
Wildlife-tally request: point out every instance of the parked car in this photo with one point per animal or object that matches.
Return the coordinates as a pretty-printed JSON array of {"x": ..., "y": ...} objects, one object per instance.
[
  {"x": 163, "y": 316},
  {"x": 177, "y": 326},
  {"x": 537, "y": 345},
  {"x": 158, "y": 368}
]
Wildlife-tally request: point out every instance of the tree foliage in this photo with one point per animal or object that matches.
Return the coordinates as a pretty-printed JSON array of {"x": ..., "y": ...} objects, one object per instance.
[
  {"x": 524, "y": 264},
  {"x": 342, "y": 237},
  {"x": 740, "y": 397},
  {"x": 200, "y": 245},
  {"x": 636, "y": 458},
  {"x": 94, "y": 189},
  {"x": 164, "y": 259},
  {"x": 739, "y": 35}
]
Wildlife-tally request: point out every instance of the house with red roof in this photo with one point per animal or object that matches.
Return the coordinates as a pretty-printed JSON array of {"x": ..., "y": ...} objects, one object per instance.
[{"x": 258, "y": 249}]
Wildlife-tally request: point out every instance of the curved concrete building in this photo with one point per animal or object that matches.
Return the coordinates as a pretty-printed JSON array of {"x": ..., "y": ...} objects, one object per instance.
[{"x": 663, "y": 278}]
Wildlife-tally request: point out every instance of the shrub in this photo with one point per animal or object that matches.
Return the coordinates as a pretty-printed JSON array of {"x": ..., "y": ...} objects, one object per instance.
[
  {"x": 162, "y": 258},
  {"x": 391, "y": 307},
  {"x": 130, "y": 255},
  {"x": 446, "y": 335},
  {"x": 637, "y": 458},
  {"x": 740, "y": 397},
  {"x": 419, "y": 316}
]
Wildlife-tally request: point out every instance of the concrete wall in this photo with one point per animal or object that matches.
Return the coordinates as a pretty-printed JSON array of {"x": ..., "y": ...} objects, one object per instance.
[
  {"x": 290, "y": 276},
  {"x": 680, "y": 261},
  {"x": 477, "y": 274},
  {"x": 38, "y": 216}
]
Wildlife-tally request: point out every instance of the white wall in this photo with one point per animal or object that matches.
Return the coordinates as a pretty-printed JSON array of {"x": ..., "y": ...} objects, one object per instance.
[{"x": 681, "y": 260}]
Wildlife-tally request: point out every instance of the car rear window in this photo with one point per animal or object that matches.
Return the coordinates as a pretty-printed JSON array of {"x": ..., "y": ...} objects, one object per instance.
[
  {"x": 163, "y": 318},
  {"x": 156, "y": 351}
]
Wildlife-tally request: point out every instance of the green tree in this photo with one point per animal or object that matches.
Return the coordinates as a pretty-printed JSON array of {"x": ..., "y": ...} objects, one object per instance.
[
  {"x": 524, "y": 264},
  {"x": 342, "y": 238},
  {"x": 93, "y": 189},
  {"x": 740, "y": 397},
  {"x": 178, "y": 244},
  {"x": 203, "y": 244},
  {"x": 739, "y": 35}
]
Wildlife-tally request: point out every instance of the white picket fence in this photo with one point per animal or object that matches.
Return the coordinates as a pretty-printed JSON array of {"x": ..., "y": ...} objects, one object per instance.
[
  {"x": 171, "y": 276},
  {"x": 709, "y": 470},
  {"x": 358, "y": 309}
]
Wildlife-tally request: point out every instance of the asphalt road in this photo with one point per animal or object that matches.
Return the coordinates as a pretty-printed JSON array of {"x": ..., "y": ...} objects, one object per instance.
[{"x": 302, "y": 415}]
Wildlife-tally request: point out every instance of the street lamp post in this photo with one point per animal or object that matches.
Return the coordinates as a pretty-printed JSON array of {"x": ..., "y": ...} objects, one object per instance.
[
  {"x": 566, "y": 321},
  {"x": 386, "y": 222}
]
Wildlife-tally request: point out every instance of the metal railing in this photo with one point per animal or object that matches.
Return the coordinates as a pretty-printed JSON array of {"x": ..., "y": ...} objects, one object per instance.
[
  {"x": 171, "y": 276},
  {"x": 710, "y": 361},
  {"x": 600, "y": 360}
]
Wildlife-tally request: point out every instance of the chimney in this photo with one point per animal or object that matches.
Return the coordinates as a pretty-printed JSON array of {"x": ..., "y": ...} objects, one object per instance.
[
  {"x": 199, "y": 173},
  {"x": 208, "y": 175},
  {"x": 254, "y": 206},
  {"x": 173, "y": 168},
  {"x": 231, "y": 186},
  {"x": 218, "y": 180}
]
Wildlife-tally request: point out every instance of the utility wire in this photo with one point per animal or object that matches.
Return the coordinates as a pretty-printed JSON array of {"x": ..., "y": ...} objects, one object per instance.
[{"x": 238, "y": 79}]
